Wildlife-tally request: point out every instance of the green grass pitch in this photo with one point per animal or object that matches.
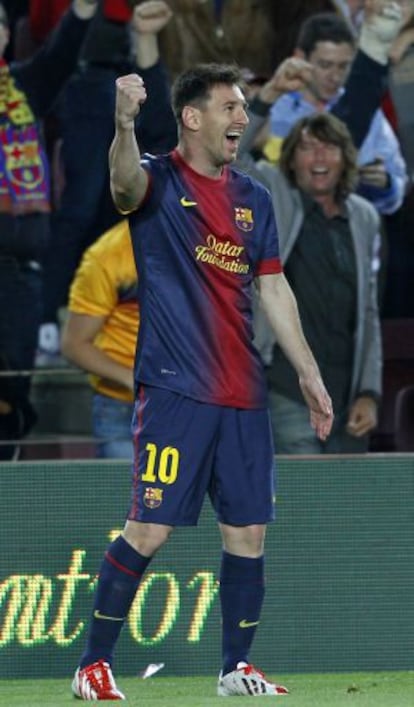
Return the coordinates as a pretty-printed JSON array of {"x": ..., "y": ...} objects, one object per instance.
[{"x": 393, "y": 689}]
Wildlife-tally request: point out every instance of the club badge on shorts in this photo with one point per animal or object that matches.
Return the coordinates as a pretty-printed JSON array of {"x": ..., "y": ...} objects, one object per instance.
[{"x": 153, "y": 497}]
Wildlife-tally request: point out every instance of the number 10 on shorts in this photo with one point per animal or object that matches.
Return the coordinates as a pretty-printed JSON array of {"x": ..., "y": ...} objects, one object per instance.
[{"x": 162, "y": 464}]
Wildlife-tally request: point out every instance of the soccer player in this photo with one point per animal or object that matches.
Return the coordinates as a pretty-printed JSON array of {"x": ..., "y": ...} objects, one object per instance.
[{"x": 202, "y": 233}]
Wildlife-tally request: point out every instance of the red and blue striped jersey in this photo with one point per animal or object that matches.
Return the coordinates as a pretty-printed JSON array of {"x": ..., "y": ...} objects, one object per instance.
[{"x": 198, "y": 244}]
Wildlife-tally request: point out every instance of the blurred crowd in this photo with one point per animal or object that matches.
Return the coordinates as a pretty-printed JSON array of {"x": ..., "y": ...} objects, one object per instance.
[{"x": 67, "y": 281}]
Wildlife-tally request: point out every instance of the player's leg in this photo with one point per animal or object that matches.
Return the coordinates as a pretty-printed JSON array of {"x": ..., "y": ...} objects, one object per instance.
[
  {"x": 122, "y": 567},
  {"x": 170, "y": 475},
  {"x": 242, "y": 589},
  {"x": 243, "y": 500},
  {"x": 124, "y": 563}
]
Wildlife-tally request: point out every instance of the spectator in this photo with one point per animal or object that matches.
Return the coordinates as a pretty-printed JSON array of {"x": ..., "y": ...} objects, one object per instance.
[
  {"x": 287, "y": 201},
  {"x": 329, "y": 238},
  {"x": 366, "y": 81},
  {"x": 327, "y": 43},
  {"x": 364, "y": 88},
  {"x": 100, "y": 335},
  {"x": 28, "y": 92},
  {"x": 86, "y": 208}
]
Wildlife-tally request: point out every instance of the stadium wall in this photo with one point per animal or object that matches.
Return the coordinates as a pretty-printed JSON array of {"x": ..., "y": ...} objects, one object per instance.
[{"x": 340, "y": 571}]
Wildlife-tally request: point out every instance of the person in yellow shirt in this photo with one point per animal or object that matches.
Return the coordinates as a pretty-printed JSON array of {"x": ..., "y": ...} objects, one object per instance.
[{"x": 100, "y": 335}]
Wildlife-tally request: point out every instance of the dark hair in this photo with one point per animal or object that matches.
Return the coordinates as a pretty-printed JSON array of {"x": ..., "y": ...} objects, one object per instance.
[
  {"x": 329, "y": 129},
  {"x": 324, "y": 27},
  {"x": 193, "y": 86}
]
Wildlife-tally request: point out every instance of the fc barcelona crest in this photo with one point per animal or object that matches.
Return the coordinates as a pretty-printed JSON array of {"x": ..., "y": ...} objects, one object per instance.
[
  {"x": 153, "y": 497},
  {"x": 243, "y": 218}
]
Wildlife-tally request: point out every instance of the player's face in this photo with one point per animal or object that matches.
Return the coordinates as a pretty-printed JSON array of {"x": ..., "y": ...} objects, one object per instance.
[
  {"x": 331, "y": 64},
  {"x": 222, "y": 122},
  {"x": 317, "y": 166}
]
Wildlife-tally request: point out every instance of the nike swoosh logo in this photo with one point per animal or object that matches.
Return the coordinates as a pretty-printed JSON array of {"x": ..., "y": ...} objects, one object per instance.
[
  {"x": 248, "y": 624},
  {"x": 97, "y": 614},
  {"x": 186, "y": 202}
]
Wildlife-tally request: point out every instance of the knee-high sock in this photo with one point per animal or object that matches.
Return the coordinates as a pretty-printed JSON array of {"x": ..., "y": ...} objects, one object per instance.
[
  {"x": 242, "y": 591},
  {"x": 119, "y": 577}
]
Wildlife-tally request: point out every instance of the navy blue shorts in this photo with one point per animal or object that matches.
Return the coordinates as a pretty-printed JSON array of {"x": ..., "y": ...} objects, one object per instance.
[{"x": 184, "y": 449}]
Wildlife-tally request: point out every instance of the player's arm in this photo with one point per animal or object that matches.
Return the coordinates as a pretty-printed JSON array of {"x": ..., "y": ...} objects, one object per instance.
[
  {"x": 129, "y": 181},
  {"x": 279, "y": 304},
  {"x": 78, "y": 336}
]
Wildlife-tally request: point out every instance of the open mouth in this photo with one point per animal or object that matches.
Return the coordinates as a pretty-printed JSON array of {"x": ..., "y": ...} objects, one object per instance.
[
  {"x": 319, "y": 171},
  {"x": 233, "y": 137}
]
